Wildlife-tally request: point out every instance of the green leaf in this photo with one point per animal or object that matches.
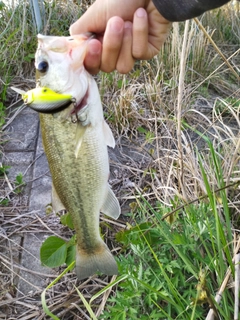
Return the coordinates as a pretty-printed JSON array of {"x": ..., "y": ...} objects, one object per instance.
[
  {"x": 71, "y": 254},
  {"x": 135, "y": 233},
  {"x": 179, "y": 239},
  {"x": 53, "y": 252},
  {"x": 141, "y": 130},
  {"x": 4, "y": 202},
  {"x": 72, "y": 241},
  {"x": 29, "y": 57},
  {"x": 66, "y": 220},
  {"x": 2, "y": 5},
  {"x": 3, "y": 169},
  {"x": 120, "y": 83},
  {"x": 19, "y": 179}
]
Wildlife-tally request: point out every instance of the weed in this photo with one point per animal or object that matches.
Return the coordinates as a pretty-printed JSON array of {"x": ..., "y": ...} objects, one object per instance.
[
  {"x": 3, "y": 169},
  {"x": 2, "y": 114},
  {"x": 4, "y": 202},
  {"x": 192, "y": 254},
  {"x": 224, "y": 106},
  {"x": 55, "y": 251},
  {"x": 19, "y": 183},
  {"x": 163, "y": 262}
]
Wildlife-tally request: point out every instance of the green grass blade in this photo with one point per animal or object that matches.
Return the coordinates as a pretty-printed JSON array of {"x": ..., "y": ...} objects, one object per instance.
[
  {"x": 45, "y": 307},
  {"x": 43, "y": 295},
  {"x": 86, "y": 304},
  {"x": 109, "y": 286}
]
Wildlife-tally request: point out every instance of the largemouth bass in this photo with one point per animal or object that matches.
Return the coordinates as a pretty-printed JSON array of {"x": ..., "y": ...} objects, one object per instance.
[{"x": 75, "y": 141}]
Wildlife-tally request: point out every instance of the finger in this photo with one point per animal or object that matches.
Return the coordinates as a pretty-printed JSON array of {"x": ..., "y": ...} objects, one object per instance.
[
  {"x": 93, "y": 20},
  {"x": 92, "y": 60},
  {"x": 125, "y": 59},
  {"x": 96, "y": 17},
  {"x": 158, "y": 31},
  {"x": 112, "y": 42},
  {"x": 140, "y": 34}
]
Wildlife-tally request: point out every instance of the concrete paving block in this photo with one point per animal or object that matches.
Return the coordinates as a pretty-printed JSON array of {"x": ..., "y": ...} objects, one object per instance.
[
  {"x": 19, "y": 162},
  {"x": 36, "y": 278},
  {"x": 41, "y": 194},
  {"x": 42, "y": 182},
  {"x": 22, "y": 133},
  {"x": 13, "y": 250},
  {"x": 24, "y": 153}
]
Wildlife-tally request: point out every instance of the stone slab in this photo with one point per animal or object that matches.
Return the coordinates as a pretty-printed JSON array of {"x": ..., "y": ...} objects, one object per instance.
[
  {"x": 20, "y": 163},
  {"x": 22, "y": 133},
  {"x": 40, "y": 196},
  {"x": 35, "y": 279},
  {"x": 42, "y": 182}
]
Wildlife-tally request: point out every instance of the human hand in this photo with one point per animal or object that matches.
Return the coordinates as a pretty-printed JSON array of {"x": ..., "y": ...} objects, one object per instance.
[{"x": 125, "y": 30}]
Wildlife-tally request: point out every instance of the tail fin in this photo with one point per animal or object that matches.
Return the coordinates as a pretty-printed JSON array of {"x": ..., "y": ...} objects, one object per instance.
[{"x": 101, "y": 260}]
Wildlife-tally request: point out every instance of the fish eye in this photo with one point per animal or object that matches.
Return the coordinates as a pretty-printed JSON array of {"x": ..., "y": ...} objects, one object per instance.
[{"x": 42, "y": 66}]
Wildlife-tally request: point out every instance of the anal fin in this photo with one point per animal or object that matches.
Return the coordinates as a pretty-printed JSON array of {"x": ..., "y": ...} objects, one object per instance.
[{"x": 111, "y": 205}]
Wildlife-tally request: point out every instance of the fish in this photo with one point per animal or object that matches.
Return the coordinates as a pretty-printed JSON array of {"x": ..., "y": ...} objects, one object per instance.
[
  {"x": 75, "y": 141},
  {"x": 44, "y": 99}
]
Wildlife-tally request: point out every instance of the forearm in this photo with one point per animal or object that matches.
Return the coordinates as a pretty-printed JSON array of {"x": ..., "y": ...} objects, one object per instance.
[{"x": 180, "y": 10}]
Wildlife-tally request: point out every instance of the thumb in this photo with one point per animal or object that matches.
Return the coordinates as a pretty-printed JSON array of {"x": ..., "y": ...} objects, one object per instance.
[{"x": 93, "y": 20}]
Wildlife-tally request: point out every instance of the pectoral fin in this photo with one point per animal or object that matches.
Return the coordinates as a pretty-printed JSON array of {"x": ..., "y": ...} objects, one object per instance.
[
  {"x": 79, "y": 138},
  {"x": 108, "y": 136},
  {"x": 111, "y": 205},
  {"x": 56, "y": 202}
]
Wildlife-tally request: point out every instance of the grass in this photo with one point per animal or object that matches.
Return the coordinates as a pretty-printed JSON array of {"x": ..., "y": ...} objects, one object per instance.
[
  {"x": 175, "y": 268},
  {"x": 176, "y": 172}
]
